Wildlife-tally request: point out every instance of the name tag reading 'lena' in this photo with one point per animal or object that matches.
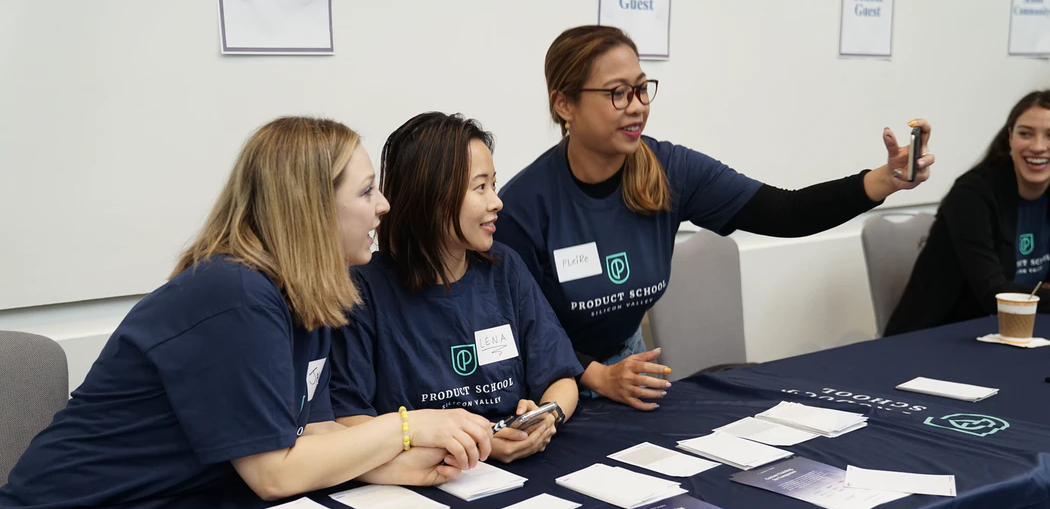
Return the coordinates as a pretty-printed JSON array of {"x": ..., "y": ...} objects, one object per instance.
[
  {"x": 495, "y": 344},
  {"x": 577, "y": 262}
]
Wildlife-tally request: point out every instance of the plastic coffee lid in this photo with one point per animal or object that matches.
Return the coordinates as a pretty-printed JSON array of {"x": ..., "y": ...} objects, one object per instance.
[{"x": 1016, "y": 297}]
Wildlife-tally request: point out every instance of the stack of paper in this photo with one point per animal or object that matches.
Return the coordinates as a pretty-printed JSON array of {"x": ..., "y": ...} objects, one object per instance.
[
  {"x": 900, "y": 482},
  {"x": 766, "y": 432},
  {"x": 822, "y": 421},
  {"x": 965, "y": 392},
  {"x": 665, "y": 461},
  {"x": 482, "y": 481},
  {"x": 619, "y": 486},
  {"x": 733, "y": 451},
  {"x": 384, "y": 497}
]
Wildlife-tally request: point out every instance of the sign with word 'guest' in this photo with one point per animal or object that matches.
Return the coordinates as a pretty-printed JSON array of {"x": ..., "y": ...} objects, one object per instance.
[
  {"x": 648, "y": 22},
  {"x": 867, "y": 28}
]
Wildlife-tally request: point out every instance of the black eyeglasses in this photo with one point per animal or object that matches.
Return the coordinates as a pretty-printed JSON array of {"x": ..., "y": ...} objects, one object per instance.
[{"x": 622, "y": 95}]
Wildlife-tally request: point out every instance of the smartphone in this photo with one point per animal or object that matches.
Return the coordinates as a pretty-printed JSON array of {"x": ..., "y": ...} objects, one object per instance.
[
  {"x": 914, "y": 153},
  {"x": 528, "y": 419}
]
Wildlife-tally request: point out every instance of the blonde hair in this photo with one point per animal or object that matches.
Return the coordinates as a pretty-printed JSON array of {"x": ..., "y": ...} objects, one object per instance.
[
  {"x": 277, "y": 214},
  {"x": 567, "y": 66}
]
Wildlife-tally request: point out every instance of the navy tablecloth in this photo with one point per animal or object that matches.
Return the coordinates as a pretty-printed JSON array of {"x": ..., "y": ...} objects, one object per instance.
[{"x": 998, "y": 449}]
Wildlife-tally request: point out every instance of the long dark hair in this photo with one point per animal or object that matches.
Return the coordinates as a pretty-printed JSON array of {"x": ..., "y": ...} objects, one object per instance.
[
  {"x": 999, "y": 150},
  {"x": 424, "y": 173}
]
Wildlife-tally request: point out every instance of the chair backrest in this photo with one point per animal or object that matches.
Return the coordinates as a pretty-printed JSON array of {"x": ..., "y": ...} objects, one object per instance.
[
  {"x": 699, "y": 321},
  {"x": 34, "y": 384},
  {"x": 890, "y": 250}
]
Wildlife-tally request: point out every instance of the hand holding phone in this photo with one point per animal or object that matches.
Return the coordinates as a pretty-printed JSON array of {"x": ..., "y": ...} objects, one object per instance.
[{"x": 529, "y": 419}]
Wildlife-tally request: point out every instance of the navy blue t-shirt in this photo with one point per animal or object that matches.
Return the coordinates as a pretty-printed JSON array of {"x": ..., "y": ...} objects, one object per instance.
[
  {"x": 1033, "y": 241},
  {"x": 206, "y": 369},
  {"x": 483, "y": 345},
  {"x": 599, "y": 264}
]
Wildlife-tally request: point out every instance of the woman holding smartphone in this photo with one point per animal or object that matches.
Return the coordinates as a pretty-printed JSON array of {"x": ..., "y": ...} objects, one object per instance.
[{"x": 595, "y": 217}]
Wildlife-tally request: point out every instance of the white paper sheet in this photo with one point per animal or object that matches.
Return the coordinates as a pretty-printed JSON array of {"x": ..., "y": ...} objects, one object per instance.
[
  {"x": 866, "y": 28},
  {"x": 662, "y": 460},
  {"x": 995, "y": 338},
  {"x": 544, "y": 501},
  {"x": 823, "y": 421},
  {"x": 954, "y": 390},
  {"x": 766, "y": 432},
  {"x": 302, "y": 503},
  {"x": 734, "y": 451},
  {"x": 384, "y": 497},
  {"x": 482, "y": 481},
  {"x": 1030, "y": 28},
  {"x": 619, "y": 486},
  {"x": 901, "y": 482}
]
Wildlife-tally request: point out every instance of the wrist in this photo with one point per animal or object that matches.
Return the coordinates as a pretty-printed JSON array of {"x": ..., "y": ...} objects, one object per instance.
[
  {"x": 594, "y": 376},
  {"x": 498, "y": 452},
  {"x": 411, "y": 418},
  {"x": 390, "y": 424},
  {"x": 406, "y": 438},
  {"x": 559, "y": 414},
  {"x": 878, "y": 183}
]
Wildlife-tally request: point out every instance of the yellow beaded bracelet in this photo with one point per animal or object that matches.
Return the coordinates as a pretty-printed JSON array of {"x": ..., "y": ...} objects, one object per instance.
[{"x": 404, "y": 428}]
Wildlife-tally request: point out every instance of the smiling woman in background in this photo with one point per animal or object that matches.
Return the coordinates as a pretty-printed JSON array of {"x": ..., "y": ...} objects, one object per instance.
[
  {"x": 595, "y": 217},
  {"x": 992, "y": 232}
]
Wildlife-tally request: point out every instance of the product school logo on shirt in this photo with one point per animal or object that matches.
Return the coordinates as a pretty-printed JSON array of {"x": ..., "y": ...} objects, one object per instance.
[
  {"x": 617, "y": 267},
  {"x": 464, "y": 359},
  {"x": 1026, "y": 244}
]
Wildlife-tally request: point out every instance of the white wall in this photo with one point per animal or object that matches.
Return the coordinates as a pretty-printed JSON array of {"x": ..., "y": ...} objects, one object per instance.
[
  {"x": 121, "y": 119},
  {"x": 800, "y": 296}
]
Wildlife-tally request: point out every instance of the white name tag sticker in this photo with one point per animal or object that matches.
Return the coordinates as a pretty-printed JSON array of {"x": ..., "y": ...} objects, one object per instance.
[
  {"x": 313, "y": 377},
  {"x": 577, "y": 262},
  {"x": 495, "y": 344}
]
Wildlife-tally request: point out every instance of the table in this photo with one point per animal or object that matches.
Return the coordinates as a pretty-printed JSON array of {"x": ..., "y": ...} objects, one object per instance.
[
  {"x": 995, "y": 465},
  {"x": 947, "y": 353}
]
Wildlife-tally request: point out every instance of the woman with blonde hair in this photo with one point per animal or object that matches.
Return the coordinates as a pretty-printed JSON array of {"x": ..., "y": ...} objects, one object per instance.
[
  {"x": 213, "y": 391},
  {"x": 595, "y": 217}
]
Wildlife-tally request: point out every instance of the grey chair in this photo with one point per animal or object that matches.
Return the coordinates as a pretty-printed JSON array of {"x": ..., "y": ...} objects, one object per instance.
[
  {"x": 34, "y": 384},
  {"x": 890, "y": 250},
  {"x": 699, "y": 321}
]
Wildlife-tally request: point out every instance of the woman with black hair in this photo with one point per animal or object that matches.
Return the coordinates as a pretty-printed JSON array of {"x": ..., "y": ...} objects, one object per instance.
[{"x": 992, "y": 232}]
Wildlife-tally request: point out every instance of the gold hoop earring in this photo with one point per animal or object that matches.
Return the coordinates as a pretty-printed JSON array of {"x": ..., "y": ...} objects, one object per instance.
[{"x": 566, "y": 126}]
